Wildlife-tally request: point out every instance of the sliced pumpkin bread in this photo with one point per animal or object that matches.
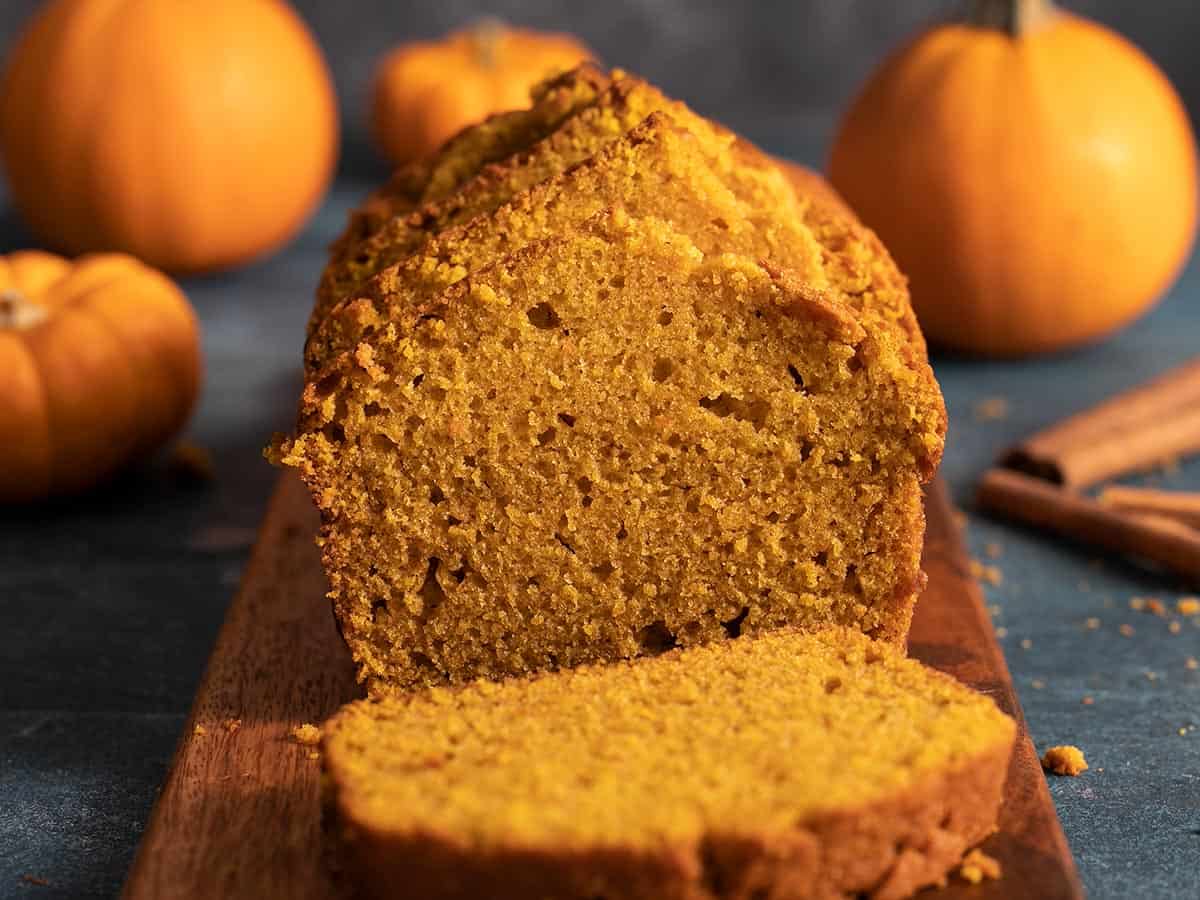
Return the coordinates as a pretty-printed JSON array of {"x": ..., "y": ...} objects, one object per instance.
[
  {"x": 788, "y": 766},
  {"x": 658, "y": 169},
  {"x": 463, "y": 183},
  {"x": 586, "y": 131},
  {"x": 495, "y": 139},
  {"x": 608, "y": 443}
]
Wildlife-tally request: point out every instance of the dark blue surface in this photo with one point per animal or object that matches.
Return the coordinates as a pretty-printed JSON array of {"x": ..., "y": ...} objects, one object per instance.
[{"x": 109, "y": 604}]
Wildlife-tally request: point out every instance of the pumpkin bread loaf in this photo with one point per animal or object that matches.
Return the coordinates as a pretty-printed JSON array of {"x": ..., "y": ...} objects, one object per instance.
[
  {"x": 608, "y": 443},
  {"x": 822, "y": 765}
]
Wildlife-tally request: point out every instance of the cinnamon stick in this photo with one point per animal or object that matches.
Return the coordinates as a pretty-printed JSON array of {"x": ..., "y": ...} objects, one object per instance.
[
  {"x": 1182, "y": 506},
  {"x": 1133, "y": 431},
  {"x": 1039, "y": 503}
]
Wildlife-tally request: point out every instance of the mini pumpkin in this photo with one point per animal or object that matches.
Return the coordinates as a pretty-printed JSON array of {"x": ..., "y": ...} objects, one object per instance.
[
  {"x": 1033, "y": 173},
  {"x": 193, "y": 135},
  {"x": 99, "y": 366},
  {"x": 428, "y": 91}
]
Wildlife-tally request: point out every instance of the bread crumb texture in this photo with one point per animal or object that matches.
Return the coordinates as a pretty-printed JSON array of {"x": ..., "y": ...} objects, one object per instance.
[
  {"x": 795, "y": 764},
  {"x": 620, "y": 391},
  {"x": 1064, "y": 760}
]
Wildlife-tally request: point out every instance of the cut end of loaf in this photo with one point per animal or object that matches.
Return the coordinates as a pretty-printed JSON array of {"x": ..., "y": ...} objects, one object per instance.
[{"x": 609, "y": 445}]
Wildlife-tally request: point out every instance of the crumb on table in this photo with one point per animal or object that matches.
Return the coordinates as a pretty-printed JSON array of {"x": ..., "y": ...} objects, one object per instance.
[
  {"x": 985, "y": 573},
  {"x": 199, "y": 731},
  {"x": 35, "y": 880},
  {"x": 307, "y": 734},
  {"x": 977, "y": 865},
  {"x": 232, "y": 725},
  {"x": 1064, "y": 760},
  {"x": 991, "y": 409}
]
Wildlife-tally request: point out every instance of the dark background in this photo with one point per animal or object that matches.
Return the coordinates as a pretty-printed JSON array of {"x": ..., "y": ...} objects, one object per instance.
[
  {"x": 764, "y": 68},
  {"x": 109, "y": 603}
]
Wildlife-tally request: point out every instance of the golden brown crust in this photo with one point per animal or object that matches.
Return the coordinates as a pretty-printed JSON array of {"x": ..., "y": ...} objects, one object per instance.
[
  {"x": 887, "y": 851},
  {"x": 808, "y": 183}
]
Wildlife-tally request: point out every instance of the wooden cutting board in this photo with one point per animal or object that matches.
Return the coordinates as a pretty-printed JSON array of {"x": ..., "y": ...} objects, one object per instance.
[{"x": 239, "y": 816}]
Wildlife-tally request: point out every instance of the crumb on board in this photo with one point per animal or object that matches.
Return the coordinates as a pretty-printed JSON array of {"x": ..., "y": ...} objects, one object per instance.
[
  {"x": 188, "y": 461},
  {"x": 35, "y": 880},
  {"x": 1001, "y": 632},
  {"x": 985, "y": 573},
  {"x": 991, "y": 409},
  {"x": 977, "y": 865},
  {"x": 307, "y": 734},
  {"x": 1137, "y": 604},
  {"x": 1183, "y": 732},
  {"x": 992, "y": 550},
  {"x": 1156, "y": 607},
  {"x": 1192, "y": 664},
  {"x": 1126, "y": 630},
  {"x": 1026, "y": 644},
  {"x": 1064, "y": 760},
  {"x": 199, "y": 731},
  {"x": 1037, "y": 684},
  {"x": 1188, "y": 606},
  {"x": 232, "y": 725},
  {"x": 1174, "y": 627},
  {"x": 1091, "y": 623},
  {"x": 1088, "y": 701},
  {"x": 1151, "y": 675}
]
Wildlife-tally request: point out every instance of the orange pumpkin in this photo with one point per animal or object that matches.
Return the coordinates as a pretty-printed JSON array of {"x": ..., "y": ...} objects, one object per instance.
[
  {"x": 427, "y": 92},
  {"x": 193, "y": 135},
  {"x": 99, "y": 365},
  {"x": 1033, "y": 173}
]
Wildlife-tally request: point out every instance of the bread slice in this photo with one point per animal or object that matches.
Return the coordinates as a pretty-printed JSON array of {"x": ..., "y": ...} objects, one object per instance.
[
  {"x": 788, "y": 766},
  {"x": 495, "y": 139},
  {"x": 658, "y": 169},
  {"x": 609, "y": 443},
  {"x": 461, "y": 186}
]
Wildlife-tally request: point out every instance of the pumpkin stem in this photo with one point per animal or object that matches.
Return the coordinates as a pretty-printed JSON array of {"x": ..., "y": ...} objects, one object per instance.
[
  {"x": 1014, "y": 17},
  {"x": 486, "y": 36},
  {"x": 19, "y": 312}
]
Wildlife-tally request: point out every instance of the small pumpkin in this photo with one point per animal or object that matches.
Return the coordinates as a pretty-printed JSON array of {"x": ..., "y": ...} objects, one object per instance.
[
  {"x": 1033, "y": 173},
  {"x": 99, "y": 366},
  {"x": 193, "y": 135},
  {"x": 426, "y": 92}
]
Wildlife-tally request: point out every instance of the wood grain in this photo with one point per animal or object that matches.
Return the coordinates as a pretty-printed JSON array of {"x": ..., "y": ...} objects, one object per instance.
[{"x": 239, "y": 815}]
